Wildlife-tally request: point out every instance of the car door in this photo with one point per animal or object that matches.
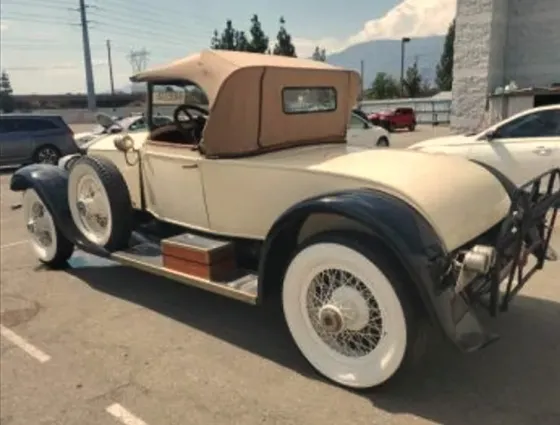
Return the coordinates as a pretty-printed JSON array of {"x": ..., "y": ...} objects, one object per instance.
[
  {"x": 359, "y": 132},
  {"x": 522, "y": 148},
  {"x": 16, "y": 144},
  {"x": 173, "y": 184}
]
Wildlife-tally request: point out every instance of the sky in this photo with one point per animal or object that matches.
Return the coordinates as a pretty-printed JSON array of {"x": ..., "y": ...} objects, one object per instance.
[{"x": 41, "y": 40}]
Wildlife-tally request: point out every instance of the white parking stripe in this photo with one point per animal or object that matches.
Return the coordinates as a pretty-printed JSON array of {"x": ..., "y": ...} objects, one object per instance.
[
  {"x": 123, "y": 415},
  {"x": 24, "y": 345},
  {"x": 12, "y": 244}
]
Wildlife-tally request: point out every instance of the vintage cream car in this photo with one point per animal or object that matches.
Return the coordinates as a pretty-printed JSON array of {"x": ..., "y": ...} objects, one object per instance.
[{"x": 261, "y": 195}]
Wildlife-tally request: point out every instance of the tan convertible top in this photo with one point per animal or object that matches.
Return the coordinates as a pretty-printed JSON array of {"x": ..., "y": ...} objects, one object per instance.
[{"x": 247, "y": 98}]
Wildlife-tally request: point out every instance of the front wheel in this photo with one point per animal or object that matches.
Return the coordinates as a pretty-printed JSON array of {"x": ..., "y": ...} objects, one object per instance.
[
  {"x": 348, "y": 312},
  {"x": 50, "y": 246},
  {"x": 382, "y": 142}
]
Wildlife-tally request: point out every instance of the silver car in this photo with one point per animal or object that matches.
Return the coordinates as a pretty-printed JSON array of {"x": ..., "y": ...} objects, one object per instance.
[{"x": 26, "y": 139}]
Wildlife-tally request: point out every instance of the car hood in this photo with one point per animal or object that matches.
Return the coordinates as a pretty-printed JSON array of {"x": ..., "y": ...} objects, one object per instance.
[
  {"x": 459, "y": 198},
  {"x": 455, "y": 140}
]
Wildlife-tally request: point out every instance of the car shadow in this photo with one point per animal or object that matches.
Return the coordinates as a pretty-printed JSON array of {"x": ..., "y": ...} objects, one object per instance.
[{"x": 515, "y": 380}]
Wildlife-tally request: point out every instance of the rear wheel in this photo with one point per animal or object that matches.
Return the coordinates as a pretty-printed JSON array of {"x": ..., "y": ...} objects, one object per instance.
[
  {"x": 50, "y": 246},
  {"x": 348, "y": 312},
  {"x": 412, "y": 127}
]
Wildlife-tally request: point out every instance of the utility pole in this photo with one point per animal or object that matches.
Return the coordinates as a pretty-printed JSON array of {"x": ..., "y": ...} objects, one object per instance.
[
  {"x": 404, "y": 40},
  {"x": 110, "y": 62},
  {"x": 362, "y": 77},
  {"x": 87, "y": 57}
]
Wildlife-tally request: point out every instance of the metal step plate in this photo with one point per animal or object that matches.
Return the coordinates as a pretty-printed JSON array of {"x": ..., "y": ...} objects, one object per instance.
[{"x": 148, "y": 257}]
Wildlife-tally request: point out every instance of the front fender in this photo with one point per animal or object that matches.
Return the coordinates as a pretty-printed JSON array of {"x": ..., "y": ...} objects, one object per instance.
[
  {"x": 51, "y": 184},
  {"x": 411, "y": 239}
]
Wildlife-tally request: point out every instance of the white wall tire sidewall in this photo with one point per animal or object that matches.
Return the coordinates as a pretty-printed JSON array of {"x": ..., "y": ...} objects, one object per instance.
[
  {"x": 43, "y": 253},
  {"x": 78, "y": 172},
  {"x": 362, "y": 373}
]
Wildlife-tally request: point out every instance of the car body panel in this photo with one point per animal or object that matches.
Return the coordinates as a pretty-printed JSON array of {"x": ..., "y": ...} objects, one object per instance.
[
  {"x": 519, "y": 158},
  {"x": 207, "y": 194}
]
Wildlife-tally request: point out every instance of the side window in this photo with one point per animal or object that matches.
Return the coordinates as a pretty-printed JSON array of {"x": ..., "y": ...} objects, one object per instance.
[
  {"x": 356, "y": 122},
  {"x": 306, "y": 100},
  {"x": 36, "y": 124},
  {"x": 137, "y": 125},
  {"x": 538, "y": 124}
]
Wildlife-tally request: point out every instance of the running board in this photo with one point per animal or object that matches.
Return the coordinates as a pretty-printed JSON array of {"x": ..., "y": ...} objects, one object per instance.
[{"x": 148, "y": 257}]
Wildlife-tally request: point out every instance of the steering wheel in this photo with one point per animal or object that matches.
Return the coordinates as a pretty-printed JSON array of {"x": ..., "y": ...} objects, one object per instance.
[{"x": 194, "y": 126}]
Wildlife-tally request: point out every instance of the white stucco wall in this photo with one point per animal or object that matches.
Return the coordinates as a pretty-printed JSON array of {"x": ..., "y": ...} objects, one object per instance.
[{"x": 497, "y": 41}]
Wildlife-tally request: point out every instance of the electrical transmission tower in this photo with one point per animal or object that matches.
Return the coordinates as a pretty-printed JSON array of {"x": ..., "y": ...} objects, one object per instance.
[{"x": 138, "y": 59}]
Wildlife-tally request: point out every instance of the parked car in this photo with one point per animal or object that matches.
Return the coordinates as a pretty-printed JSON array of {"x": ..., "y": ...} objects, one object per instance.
[
  {"x": 395, "y": 119},
  {"x": 26, "y": 139},
  {"x": 362, "y": 133},
  {"x": 113, "y": 125},
  {"x": 364, "y": 246},
  {"x": 521, "y": 147}
]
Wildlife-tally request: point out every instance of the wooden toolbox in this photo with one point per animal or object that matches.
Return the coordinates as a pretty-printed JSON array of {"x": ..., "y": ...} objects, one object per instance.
[{"x": 199, "y": 256}]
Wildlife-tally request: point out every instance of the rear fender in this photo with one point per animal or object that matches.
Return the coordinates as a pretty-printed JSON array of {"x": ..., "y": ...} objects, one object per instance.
[
  {"x": 51, "y": 184},
  {"x": 406, "y": 233}
]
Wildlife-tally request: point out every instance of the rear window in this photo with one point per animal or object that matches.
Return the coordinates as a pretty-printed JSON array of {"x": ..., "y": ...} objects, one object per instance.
[
  {"x": 306, "y": 100},
  {"x": 33, "y": 124}
]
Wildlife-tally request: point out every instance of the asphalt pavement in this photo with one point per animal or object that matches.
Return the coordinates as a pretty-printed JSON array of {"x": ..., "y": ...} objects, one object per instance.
[{"x": 103, "y": 344}]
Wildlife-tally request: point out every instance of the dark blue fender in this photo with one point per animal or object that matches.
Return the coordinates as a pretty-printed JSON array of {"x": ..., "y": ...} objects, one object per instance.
[
  {"x": 51, "y": 184},
  {"x": 406, "y": 233}
]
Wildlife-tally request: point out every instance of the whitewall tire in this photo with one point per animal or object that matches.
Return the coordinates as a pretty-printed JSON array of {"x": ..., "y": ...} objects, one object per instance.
[
  {"x": 344, "y": 312},
  {"x": 48, "y": 243},
  {"x": 99, "y": 202}
]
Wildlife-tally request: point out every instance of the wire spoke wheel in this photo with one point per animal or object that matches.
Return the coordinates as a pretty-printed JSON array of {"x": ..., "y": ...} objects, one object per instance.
[
  {"x": 40, "y": 226},
  {"x": 344, "y": 315},
  {"x": 94, "y": 211}
]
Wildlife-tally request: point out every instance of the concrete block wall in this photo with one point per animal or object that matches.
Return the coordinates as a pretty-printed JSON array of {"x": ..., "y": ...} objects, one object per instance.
[
  {"x": 471, "y": 63},
  {"x": 497, "y": 41}
]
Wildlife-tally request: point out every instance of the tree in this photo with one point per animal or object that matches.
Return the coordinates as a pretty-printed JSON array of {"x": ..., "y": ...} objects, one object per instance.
[
  {"x": 444, "y": 70},
  {"x": 7, "y": 103},
  {"x": 413, "y": 82},
  {"x": 241, "y": 42},
  {"x": 229, "y": 39},
  {"x": 319, "y": 54},
  {"x": 384, "y": 86},
  {"x": 284, "y": 46},
  {"x": 259, "y": 40}
]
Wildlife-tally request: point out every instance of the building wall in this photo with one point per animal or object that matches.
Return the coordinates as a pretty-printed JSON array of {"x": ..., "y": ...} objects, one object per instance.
[
  {"x": 534, "y": 40},
  {"x": 473, "y": 30},
  {"x": 497, "y": 41}
]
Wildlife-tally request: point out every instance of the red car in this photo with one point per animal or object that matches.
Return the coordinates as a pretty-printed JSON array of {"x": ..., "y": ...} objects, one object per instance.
[{"x": 395, "y": 119}]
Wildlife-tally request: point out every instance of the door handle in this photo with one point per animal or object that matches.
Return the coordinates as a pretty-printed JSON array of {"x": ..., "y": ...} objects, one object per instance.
[
  {"x": 185, "y": 166},
  {"x": 542, "y": 150}
]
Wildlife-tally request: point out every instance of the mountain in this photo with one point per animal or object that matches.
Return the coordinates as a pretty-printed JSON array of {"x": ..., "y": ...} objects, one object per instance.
[{"x": 385, "y": 56}]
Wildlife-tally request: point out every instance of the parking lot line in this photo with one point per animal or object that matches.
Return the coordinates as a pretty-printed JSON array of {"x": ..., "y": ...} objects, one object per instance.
[
  {"x": 24, "y": 345},
  {"x": 123, "y": 415},
  {"x": 13, "y": 244}
]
